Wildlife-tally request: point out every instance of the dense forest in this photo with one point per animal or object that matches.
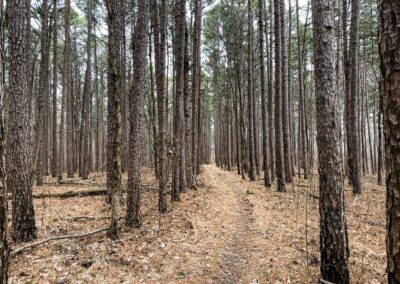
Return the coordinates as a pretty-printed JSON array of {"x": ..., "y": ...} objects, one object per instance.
[{"x": 190, "y": 141}]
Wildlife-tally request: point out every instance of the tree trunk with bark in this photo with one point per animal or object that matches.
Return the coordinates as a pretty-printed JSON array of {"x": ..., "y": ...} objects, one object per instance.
[
  {"x": 333, "y": 233},
  {"x": 279, "y": 157},
  {"x": 250, "y": 93},
  {"x": 267, "y": 177},
  {"x": 86, "y": 101},
  {"x": 389, "y": 39},
  {"x": 187, "y": 101},
  {"x": 270, "y": 96},
  {"x": 4, "y": 249},
  {"x": 179, "y": 52},
  {"x": 159, "y": 18},
  {"x": 302, "y": 133},
  {"x": 124, "y": 92},
  {"x": 114, "y": 186},
  {"x": 353, "y": 135},
  {"x": 138, "y": 90},
  {"x": 97, "y": 158},
  {"x": 196, "y": 86},
  {"x": 43, "y": 92},
  {"x": 285, "y": 101},
  {"x": 19, "y": 177},
  {"x": 54, "y": 149},
  {"x": 66, "y": 98}
]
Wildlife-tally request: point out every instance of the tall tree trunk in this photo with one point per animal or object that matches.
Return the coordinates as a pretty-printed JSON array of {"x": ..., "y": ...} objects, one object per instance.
[
  {"x": 371, "y": 149},
  {"x": 124, "y": 93},
  {"x": 19, "y": 179},
  {"x": 41, "y": 135},
  {"x": 333, "y": 233},
  {"x": 270, "y": 96},
  {"x": 152, "y": 110},
  {"x": 279, "y": 160},
  {"x": 250, "y": 93},
  {"x": 237, "y": 131},
  {"x": 114, "y": 120},
  {"x": 285, "y": 102},
  {"x": 292, "y": 132},
  {"x": 255, "y": 113},
  {"x": 346, "y": 79},
  {"x": 86, "y": 101},
  {"x": 77, "y": 103},
  {"x": 30, "y": 72},
  {"x": 187, "y": 100},
  {"x": 54, "y": 162},
  {"x": 267, "y": 178},
  {"x": 380, "y": 154},
  {"x": 196, "y": 87},
  {"x": 353, "y": 137},
  {"x": 302, "y": 132},
  {"x": 389, "y": 39},
  {"x": 139, "y": 51},
  {"x": 4, "y": 249},
  {"x": 67, "y": 92},
  {"x": 64, "y": 90},
  {"x": 179, "y": 52},
  {"x": 159, "y": 17},
  {"x": 98, "y": 102}
]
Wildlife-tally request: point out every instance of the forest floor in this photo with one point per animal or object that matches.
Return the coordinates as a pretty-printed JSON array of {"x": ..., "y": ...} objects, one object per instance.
[{"x": 227, "y": 231}]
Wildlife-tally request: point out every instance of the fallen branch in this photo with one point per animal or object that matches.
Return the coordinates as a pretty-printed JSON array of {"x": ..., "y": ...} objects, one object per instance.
[
  {"x": 74, "y": 181},
  {"x": 78, "y": 218},
  {"x": 325, "y": 282},
  {"x": 84, "y": 193},
  {"x": 18, "y": 250},
  {"x": 69, "y": 194},
  {"x": 378, "y": 224}
]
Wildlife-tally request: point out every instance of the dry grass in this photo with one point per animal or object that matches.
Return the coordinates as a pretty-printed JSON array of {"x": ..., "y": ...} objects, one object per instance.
[{"x": 229, "y": 231}]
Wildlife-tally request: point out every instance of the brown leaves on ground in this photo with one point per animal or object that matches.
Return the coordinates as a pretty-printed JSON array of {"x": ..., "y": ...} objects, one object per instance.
[{"x": 228, "y": 231}]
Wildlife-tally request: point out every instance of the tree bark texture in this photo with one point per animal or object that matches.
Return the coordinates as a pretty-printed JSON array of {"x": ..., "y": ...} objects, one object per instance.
[
  {"x": 353, "y": 135},
  {"x": 19, "y": 179},
  {"x": 4, "y": 249},
  {"x": 279, "y": 157},
  {"x": 114, "y": 120},
  {"x": 265, "y": 145},
  {"x": 389, "y": 42},
  {"x": 138, "y": 91},
  {"x": 179, "y": 52},
  {"x": 333, "y": 233}
]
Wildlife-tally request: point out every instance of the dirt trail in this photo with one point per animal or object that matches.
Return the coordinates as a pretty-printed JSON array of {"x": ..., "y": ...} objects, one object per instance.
[{"x": 235, "y": 255}]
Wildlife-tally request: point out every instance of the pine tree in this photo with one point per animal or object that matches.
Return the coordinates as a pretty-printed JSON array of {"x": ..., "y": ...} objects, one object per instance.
[
  {"x": 159, "y": 19},
  {"x": 19, "y": 177},
  {"x": 250, "y": 93},
  {"x": 54, "y": 150},
  {"x": 114, "y": 186},
  {"x": 284, "y": 94},
  {"x": 279, "y": 157},
  {"x": 389, "y": 38},
  {"x": 4, "y": 249},
  {"x": 353, "y": 133},
  {"x": 333, "y": 233},
  {"x": 196, "y": 86},
  {"x": 43, "y": 93},
  {"x": 179, "y": 52},
  {"x": 133, "y": 217},
  {"x": 87, "y": 90}
]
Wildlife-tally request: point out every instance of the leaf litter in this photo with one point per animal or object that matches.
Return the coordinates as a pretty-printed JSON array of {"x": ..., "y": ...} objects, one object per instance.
[{"x": 227, "y": 231}]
